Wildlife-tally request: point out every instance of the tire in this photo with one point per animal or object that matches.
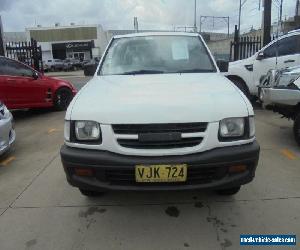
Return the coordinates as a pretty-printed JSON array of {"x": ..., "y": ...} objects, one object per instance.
[
  {"x": 242, "y": 86},
  {"x": 229, "y": 191},
  {"x": 297, "y": 128},
  {"x": 90, "y": 193},
  {"x": 62, "y": 99}
]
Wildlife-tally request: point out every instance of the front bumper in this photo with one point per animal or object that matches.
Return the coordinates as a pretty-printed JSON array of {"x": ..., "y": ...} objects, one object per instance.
[
  {"x": 206, "y": 170},
  {"x": 282, "y": 96},
  {"x": 7, "y": 134}
]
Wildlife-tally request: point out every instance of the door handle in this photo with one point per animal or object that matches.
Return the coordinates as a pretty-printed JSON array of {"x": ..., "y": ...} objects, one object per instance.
[{"x": 289, "y": 61}]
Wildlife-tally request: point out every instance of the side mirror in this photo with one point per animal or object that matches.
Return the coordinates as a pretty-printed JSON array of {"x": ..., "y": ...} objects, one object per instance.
[
  {"x": 260, "y": 56},
  {"x": 35, "y": 75},
  {"x": 223, "y": 65}
]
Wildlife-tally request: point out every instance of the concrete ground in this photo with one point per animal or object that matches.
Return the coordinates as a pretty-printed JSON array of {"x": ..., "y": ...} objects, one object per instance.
[{"x": 39, "y": 210}]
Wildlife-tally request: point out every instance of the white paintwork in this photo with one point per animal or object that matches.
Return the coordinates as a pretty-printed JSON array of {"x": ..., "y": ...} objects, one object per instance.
[
  {"x": 159, "y": 98},
  {"x": 6, "y": 127},
  {"x": 281, "y": 96},
  {"x": 122, "y": 99},
  {"x": 261, "y": 67},
  {"x": 287, "y": 96}
]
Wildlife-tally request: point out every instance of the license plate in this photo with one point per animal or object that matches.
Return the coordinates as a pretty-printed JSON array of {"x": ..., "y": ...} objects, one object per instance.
[{"x": 161, "y": 173}]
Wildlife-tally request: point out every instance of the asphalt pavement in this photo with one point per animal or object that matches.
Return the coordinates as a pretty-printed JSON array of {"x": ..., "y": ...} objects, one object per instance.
[{"x": 39, "y": 210}]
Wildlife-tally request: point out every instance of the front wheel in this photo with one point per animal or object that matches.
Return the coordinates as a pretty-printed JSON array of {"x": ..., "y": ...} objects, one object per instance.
[
  {"x": 229, "y": 191},
  {"x": 62, "y": 99},
  {"x": 297, "y": 128}
]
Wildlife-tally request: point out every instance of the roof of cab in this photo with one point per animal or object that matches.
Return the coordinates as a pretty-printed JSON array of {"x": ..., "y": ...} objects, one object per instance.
[{"x": 157, "y": 34}]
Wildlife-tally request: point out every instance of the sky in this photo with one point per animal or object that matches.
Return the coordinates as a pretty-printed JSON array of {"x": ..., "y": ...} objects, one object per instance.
[{"x": 152, "y": 14}]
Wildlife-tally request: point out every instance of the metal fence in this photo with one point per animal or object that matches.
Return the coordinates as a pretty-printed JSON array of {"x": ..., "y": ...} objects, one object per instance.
[
  {"x": 244, "y": 47},
  {"x": 27, "y": 52}
]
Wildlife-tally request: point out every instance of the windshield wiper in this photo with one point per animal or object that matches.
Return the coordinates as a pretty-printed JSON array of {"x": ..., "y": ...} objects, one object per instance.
[
  {"x": 195, "y": 71},
  {"x": 142, "y": 72}
]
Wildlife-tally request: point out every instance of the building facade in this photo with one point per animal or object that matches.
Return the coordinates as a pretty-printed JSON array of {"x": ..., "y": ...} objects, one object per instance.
[{"x": 75, "y": 41}]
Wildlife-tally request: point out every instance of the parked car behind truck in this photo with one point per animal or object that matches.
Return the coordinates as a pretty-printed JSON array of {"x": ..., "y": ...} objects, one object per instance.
[
  {"x": 22, "y": 87},
  {"x": 159, "y": 115},
  {"x": 53, "y": 65},
  {"x": 7, "y": 132},
  {"x": 279, "y": 54},
  {"x": 72, "y": 64},
  {"x": 89, "y": 68},
  {"x": 280, "y": 92}
]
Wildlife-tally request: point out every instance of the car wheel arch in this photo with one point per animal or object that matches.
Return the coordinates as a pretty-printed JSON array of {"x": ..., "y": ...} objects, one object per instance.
[
  {"x": 235, "y": 78},
  {"x": 60, "y": 89}
]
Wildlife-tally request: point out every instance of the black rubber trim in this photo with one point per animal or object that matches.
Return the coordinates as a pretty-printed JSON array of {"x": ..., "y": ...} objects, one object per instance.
[{"x": 219, "y": 155}]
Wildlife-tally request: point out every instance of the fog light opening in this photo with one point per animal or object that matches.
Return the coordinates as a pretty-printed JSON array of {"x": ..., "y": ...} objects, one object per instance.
[
  {"x": 83, "y": 172},
  {"x": 237, "y": 169}
]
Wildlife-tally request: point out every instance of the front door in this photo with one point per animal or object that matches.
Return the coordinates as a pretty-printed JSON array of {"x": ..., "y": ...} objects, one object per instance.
[
  {"x": 287, "y": 51},
  {"x": 79, "y": 56},
  {"x": 261, "y": 67},
  {"x": 21, "y": 89}
]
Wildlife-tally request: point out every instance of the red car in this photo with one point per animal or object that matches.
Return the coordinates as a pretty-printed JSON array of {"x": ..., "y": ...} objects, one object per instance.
[{"x": 23, "y": 87}]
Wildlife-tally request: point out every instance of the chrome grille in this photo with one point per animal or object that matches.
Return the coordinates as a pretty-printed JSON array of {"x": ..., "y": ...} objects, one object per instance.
[
  {"x": 182, "y": 143},
  {"x": 130, "y": 129},
  {"x": 159, "y": 136}
]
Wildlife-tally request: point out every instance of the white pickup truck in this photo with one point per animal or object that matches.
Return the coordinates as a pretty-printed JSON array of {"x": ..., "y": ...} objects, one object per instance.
[
  {"x": 279, "y": 54},
  {"x": 159, "y": 115}
]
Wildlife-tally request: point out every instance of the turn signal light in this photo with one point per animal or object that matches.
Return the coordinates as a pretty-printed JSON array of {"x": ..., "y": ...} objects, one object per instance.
[
  {"x": 237, "y": 169},
  {"x": 83, "y": 171}
]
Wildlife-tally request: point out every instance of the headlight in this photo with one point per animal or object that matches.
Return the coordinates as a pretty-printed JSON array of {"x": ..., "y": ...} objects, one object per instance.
[
  {"x": 232, "y": 127},
  {"x": 87, "y": 131}
]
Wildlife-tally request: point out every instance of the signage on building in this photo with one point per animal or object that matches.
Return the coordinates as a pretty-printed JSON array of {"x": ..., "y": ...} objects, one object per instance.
[
  {"x": 78, "y": 45},
  {"x": 73, "y": 46}
]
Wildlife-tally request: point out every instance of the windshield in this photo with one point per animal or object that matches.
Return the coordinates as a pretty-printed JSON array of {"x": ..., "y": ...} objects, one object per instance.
[{"x": 155, "y": 55}]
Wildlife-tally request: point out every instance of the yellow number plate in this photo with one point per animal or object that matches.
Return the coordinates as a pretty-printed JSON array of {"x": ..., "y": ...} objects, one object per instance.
[{"x": 161, "y": 173}]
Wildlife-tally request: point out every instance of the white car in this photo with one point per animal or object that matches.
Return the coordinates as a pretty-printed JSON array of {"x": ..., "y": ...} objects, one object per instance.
[
  {"x": 281, "y": 53},
  {"x": 53, "y": 65},
  {"x": 280, "y": 92},
  {"x": 7, "y": 132},
  {"x": 159, "y": 115}
]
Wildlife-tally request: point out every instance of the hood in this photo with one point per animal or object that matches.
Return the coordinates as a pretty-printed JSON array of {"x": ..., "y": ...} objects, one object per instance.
[{"x": 162, "y": 98}]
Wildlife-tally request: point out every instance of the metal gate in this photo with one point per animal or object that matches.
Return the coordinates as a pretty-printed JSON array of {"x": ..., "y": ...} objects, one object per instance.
[
  {"x": 26, "y": 52},
  {"x": 244, "y": 47}
]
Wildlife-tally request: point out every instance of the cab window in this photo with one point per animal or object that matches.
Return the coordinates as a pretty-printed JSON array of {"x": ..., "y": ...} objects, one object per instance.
[
  {"x": 289, "y": 46},
  {"x": 271, "y": 50},
  {"x": 286, "y": 46}
]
